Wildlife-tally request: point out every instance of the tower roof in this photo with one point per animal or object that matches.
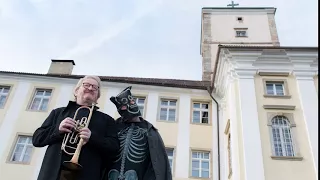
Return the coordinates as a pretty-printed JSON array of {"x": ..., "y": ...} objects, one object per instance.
[{"x": 235, "y": 8}]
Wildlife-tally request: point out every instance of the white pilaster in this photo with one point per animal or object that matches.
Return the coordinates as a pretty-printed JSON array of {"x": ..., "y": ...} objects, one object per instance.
[
  {"x": 12, "y": 115},
  {"x": 232, "y": 104},
  {"x": 223, "y": 144},
  {"x": 253, "y": 161},
  {"x": 183, "y": 144},
  {"x": 309, "y": 105},
  {"x": 62, "y": 100},
  {"x": 109, "y": 107},
  {"x": 215, "y": 146},
  {"x": 152, "y": 107}
]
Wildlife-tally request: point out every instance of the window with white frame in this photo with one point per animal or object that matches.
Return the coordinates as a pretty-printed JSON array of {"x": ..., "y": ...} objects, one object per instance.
[
  {"x": 200, "y": 113},
  {"x": 141, "y": 104},
  {"x": 229, "y": 154},
  {"x": 170, "y": 157},
  {"x": 40, "y": 100},
  {"x": 4, "y": 92},
  {"x": 275, "y": 88},
  {"x": 241, "y": 33},
  {"x": 200, "y": 164},
  {"x": 168, "y": 109},
  {"x": 282, "y": 137},
  {"x": 22, "y": 150}
]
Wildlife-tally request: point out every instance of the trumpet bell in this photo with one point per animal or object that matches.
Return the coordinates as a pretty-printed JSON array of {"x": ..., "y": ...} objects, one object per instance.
[{"x": 72, "y": 166}]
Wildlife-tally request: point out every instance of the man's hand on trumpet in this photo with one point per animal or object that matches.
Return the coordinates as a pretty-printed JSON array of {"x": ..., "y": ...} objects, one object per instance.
[
  {"x": 85, "y": 134},
  {"x": 67, "y": 125}
]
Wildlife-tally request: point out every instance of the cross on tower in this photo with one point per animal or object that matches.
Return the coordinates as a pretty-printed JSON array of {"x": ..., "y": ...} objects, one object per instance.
[{"x": 232, "y": 4}]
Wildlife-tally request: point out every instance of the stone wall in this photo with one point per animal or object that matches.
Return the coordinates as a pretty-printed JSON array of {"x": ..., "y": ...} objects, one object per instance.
[
  {"x": 273, "y": 30},
  {"x": 206, "y": 47}
]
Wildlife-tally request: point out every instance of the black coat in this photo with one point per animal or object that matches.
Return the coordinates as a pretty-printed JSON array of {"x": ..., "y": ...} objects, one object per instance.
[
  {"x": 102, "y": 144},
  {"x": 159, "y": 169}
]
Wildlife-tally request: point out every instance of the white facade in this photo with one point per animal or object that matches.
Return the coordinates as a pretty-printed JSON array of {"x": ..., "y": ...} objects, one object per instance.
[
  {"x": 309, "y": 102},
  {"x": 236, "y": 86}
]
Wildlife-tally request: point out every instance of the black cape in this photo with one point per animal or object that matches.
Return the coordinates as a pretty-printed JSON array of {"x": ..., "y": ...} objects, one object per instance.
[
  {"x": 159, "y": 168},
  {"x": 102, "y": 144}
]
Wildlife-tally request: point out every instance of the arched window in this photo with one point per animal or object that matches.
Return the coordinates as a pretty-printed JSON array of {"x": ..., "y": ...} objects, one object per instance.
[{"x": 282, "y": 136}]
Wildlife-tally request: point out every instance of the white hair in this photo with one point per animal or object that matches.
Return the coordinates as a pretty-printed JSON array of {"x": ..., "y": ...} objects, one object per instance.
[{"x": 79, "y": 84}]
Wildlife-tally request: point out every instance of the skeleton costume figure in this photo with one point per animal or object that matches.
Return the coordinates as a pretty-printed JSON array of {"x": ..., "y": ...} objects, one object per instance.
[{"x": 135, "y": 159}]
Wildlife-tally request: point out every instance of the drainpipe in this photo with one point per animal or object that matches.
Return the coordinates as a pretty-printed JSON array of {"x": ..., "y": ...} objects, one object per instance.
[{"x": 209, "y": 89}]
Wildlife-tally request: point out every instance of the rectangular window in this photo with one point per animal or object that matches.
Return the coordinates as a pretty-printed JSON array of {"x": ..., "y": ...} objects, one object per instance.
[
  {"x": 141, "y": 104},
  {"x": 22, "y": 150},
  {"x": 241, "y": 33},
  {"x": 40, "y": 100},
  {"x": 275, "y": 88},
  {"x": 168, "y": 110},
  {"x": 170, "y": 157},
  {"x": 4, "y": 92},
  {"x": 200, "y": 113},
  {"x": 200, "y": 164}
]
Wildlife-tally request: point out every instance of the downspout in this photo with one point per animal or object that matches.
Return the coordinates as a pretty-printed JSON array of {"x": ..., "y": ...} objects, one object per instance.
[{"x": 209, "y": 89}]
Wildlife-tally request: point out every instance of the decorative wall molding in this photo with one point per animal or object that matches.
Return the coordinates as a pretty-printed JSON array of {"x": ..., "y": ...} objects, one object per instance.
[
  {"x": 241, "y": 63},
  {"x": 239, "y": 11},
  {"x": 305, "y": 74},
  {"x": 240, "y": 43},
  {"x": 274, "y": 73},
  {"x": 280, "y": 107}
]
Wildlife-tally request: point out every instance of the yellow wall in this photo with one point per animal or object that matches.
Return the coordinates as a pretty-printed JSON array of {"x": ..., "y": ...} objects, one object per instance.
[
  {"x": 293, "y": 169},
  {"x": 201, "y": 136},
  {"x": 26, "y": 124},
  {"x": 12, "y": 85}
]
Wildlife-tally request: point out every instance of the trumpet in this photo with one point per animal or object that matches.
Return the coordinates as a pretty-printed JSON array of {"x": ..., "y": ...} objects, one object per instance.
[{"x": 73, "y": 137}]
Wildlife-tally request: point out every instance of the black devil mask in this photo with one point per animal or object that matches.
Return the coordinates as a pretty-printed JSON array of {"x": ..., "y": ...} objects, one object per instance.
[{"x": 126, "y": 105}]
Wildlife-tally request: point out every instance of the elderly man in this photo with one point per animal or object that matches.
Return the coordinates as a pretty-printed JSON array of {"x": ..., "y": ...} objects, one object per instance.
[
  {"x": 99, "y": 141},
  {"x": 142, "y": 155}
]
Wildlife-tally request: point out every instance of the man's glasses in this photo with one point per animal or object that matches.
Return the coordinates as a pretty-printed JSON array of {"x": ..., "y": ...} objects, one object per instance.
[{"x": 88, "y": 85}]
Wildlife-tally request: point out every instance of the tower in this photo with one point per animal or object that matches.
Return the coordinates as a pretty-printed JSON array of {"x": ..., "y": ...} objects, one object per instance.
[
  {"x": 243, "y": 60},
  {"x": 254, "y": 26}
]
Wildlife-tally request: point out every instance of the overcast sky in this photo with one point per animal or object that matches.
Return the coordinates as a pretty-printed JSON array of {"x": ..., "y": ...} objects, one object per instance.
[{"x": 141, "y": 38}]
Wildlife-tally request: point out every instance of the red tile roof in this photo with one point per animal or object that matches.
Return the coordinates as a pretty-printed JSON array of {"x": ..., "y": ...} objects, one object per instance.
[{"x": 178, "y": 83}]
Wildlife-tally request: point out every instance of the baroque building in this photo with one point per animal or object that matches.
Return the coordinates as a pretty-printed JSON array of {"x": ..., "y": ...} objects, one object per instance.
[{"x": 253, "y": 116}]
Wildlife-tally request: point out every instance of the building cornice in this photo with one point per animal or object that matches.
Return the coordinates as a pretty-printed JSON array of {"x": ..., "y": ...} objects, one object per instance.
[
  {"x": 233, "y": 63},
  {"x": 104, "y": 84},
  {"x": 239, "y": 10}
]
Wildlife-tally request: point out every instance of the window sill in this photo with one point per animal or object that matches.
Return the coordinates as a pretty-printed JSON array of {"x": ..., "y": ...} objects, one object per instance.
[
  {"x": 288, "y": 158},
  {"x": 200, "y": 124},
  {"x": 18, "y": 163},
  {"x": 202, "y": 178},
  {"x": 276, "y": 96},
  {"x": 38, "y": 111},
  {"x": 241, "y": 36},
  {"x": 165, "y": 121}
]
